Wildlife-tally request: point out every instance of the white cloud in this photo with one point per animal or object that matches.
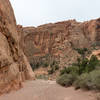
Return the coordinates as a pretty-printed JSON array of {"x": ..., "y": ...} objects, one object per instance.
[{"x": 36, "y": 12}]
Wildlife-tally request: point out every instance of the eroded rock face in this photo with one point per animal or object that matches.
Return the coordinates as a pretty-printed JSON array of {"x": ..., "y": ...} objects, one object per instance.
[
  {"x": 14, "y": 67},
  {"x": 60, "y": 39}
]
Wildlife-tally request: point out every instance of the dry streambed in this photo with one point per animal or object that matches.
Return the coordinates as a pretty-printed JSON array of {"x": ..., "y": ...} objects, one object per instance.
[{"x": 47, "y": 90}]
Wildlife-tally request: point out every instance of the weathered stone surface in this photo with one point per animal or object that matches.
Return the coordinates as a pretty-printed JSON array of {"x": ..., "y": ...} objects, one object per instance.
[
  {"x": 14, "y": 67},
  {"x": 60, "y": 39}
]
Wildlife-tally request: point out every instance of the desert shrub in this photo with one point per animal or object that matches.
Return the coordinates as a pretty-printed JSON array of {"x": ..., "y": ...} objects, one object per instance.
[
  {"x": 81, "y": 51},
  {"x": 35, "y": 66},
  {"x": 94, "y": 76},
  {"x": 81, "y": 81},
  {"x": 53, "y": 67},
  {"x": 92, "y": 64},
  {"x": 45, "y": 64},
  {"x": 66, "y": 79},
  {"x": 45, "y": 61},
  {"x": 45, "y": 77},
  {"x": 56, "y": 67},
  {"x": 85, "y": 65},
  {"x": 69, "y": 70},
  {"x": 98, "y": 96},
  {"x": 51, "y": 71},
  {"x": 85, "y": 73},
  {"x": 53, "y": 63},
  {"x": 63, "y": 71},
  {"x": 90, "y": 81},
  {"x": 82, "y": 66}
]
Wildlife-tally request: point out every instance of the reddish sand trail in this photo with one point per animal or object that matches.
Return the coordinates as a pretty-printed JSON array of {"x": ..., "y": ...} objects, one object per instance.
[{"x": 47, "y": 90}]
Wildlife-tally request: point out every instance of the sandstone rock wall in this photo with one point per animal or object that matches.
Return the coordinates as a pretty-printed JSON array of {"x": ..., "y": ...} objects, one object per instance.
[
  {"x": 60, "y": 38},
  {"x": 14, "y": 67}
]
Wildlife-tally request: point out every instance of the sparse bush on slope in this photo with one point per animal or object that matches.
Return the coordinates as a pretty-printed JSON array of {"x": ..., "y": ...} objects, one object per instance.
[
  {"x": 84, "y": 74},
  {"x": 69, "y": 70},
  {"x": 90, "y": 81},
  {"x": 66, "y": 79}
]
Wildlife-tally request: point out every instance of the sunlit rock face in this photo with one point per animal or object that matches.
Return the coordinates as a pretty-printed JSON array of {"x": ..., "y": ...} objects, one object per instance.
[{"x": 14, "y": 67}]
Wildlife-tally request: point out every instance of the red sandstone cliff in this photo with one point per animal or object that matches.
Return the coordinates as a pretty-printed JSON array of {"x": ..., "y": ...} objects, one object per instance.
[
  {"x": 60, "y": 38},
  {"x": 14, "y": 67}
]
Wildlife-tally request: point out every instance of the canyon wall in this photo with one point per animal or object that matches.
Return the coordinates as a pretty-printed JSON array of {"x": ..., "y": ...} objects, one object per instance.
[
  {"x": 60, "y": 39},
  {"x": 14, "y": 67}
]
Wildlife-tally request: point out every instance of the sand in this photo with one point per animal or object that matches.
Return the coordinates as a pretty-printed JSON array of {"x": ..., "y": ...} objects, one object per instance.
[{"x": 47, "y": 90}]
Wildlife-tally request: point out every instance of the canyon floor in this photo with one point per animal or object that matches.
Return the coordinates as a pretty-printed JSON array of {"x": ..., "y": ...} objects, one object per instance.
[{"x": 47, "y": 90}]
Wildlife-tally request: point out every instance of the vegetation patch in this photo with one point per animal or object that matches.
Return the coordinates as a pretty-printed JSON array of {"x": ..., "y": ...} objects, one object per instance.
[
  {"x": 90, "y": 81},
  {"x": 66, "y": 79},
  {"x": 44, "y": 77},
  {"x": 53, "y": 67},
  {"x": 47, "y": 62},
  {"x": 84, "y": 74}
]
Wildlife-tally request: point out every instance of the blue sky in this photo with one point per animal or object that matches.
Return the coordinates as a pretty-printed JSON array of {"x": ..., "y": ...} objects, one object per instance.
[{"x": 37, "y": 12}]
